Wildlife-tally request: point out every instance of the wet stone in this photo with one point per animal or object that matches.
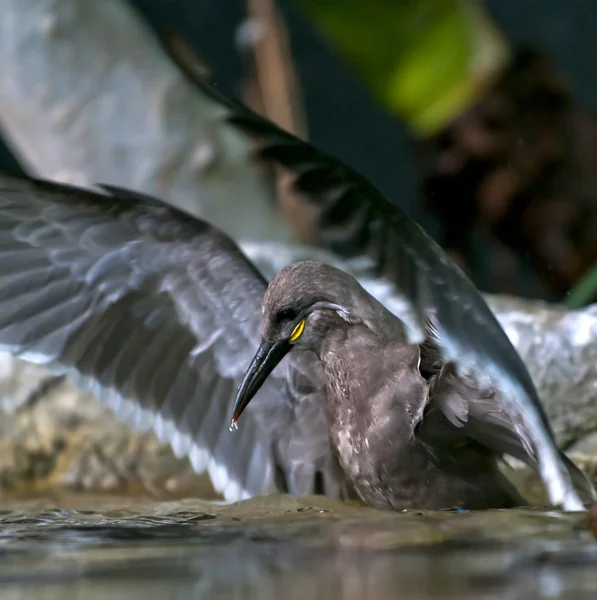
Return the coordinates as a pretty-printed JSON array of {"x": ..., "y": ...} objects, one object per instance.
[{"x": 55, "y": 437}]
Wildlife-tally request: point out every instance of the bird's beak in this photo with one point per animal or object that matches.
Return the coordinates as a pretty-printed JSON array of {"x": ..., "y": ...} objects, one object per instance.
[{"x": 264, "y": 362}]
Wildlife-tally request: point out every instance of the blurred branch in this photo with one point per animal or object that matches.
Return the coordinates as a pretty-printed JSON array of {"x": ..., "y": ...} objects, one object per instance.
[
  {"x": 274, "y": 91},
  {"x": 87, "y": 95},
  {"x": 275, "y": 73}
]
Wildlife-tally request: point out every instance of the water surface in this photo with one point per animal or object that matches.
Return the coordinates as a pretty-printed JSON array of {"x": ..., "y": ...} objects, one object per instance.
[{"x": 282, "y": 547}]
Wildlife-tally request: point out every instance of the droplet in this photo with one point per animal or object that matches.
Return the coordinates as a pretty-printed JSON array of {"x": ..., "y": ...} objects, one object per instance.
[{"x": 233, "y": 426}]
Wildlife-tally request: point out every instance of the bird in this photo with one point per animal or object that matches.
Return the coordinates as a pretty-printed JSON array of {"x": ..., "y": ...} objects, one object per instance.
[
  {"x": 406, "y": 431},
  {"x": 159, "y": 314}
]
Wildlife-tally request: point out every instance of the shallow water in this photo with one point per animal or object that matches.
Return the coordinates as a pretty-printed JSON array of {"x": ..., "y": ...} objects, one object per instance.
[{"x": 282, "y": 547}]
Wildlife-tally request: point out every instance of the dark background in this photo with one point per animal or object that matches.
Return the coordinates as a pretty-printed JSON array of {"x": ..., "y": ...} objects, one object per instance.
[{"x": 343, "y": 118}]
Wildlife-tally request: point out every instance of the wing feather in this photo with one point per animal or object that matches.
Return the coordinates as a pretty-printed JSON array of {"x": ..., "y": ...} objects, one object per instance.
[{"x": 158, "y": 314}]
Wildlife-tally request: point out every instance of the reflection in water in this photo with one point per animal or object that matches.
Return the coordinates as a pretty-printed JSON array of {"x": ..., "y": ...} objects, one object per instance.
[{"x": 295, "y": 553}]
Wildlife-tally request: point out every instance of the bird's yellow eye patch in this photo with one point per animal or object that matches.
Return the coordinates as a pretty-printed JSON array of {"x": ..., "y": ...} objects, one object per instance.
[{"x": 297, "y": 331}]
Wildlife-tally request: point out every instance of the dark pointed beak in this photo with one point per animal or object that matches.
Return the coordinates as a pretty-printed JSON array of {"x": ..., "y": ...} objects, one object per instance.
[{"x": 264, "y": 362}]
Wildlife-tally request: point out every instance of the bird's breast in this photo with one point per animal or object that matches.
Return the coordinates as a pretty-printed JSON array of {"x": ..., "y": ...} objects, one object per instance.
[
  {"x": 351, "y": 416},
  {"x": 369, "y": 424},
  {"x": 348, "y": 443}
]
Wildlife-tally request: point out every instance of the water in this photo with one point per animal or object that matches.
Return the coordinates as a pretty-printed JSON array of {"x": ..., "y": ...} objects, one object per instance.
[{"x": 281, "y": 547}]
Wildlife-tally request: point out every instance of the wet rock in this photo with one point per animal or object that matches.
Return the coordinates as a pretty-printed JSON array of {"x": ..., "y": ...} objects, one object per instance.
[
  {"x": 293, "y": 548},
  {"x": 529, "y": 483},
  {"x": 590, "y": 521},
  {"x": 586, "y": 445},
  {"x": 355, "y": 525},
  {"x": 52, "y": 435},
  {"x": 559, "y": 348}
]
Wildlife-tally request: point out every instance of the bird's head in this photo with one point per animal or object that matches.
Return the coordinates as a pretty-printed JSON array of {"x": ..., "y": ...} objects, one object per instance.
[
  {"x": 303, "y": 301},
  {"x": 301, "y": 305}
]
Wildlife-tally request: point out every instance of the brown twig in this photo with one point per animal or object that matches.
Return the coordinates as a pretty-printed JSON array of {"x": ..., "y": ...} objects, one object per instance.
[{"x": 273, "y": 89}]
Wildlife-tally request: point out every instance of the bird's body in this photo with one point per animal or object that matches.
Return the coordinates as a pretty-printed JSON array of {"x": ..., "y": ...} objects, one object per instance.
[{"x": 393, "y": 445}]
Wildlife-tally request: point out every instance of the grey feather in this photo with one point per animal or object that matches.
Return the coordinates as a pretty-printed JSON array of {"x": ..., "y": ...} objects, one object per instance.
[{"x": 158, "y": 314}]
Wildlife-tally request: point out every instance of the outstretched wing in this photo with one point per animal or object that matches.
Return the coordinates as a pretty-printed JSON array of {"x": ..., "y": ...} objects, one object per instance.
[
  {"x": 354, "y": 220},
  {"x": 158, "y": 313}
]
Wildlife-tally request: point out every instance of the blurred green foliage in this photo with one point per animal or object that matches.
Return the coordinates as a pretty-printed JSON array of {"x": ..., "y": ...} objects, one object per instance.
[
  {"x": 426, "y": 60},
  {"x": 584, "y": 291}
]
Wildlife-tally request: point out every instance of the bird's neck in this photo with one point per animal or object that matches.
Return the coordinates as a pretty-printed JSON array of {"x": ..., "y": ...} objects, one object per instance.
[
  {"x": 356, "y": 362},
  {"x": 366, "y": 404}
]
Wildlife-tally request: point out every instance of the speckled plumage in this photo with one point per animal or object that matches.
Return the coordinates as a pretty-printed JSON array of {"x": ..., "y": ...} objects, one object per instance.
[{"x": 394, "y": 445}]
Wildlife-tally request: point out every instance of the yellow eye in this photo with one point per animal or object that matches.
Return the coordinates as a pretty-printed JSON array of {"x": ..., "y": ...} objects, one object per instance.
[{"x": 297, "y": 331}]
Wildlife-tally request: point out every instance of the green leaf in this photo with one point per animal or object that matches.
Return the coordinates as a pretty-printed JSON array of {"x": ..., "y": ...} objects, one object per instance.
[
  {"x": 584, "y": 291},
  {"x": 426, "y": 60}
]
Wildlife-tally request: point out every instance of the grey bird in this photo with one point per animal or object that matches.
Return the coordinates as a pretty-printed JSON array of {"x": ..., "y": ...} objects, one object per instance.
[
  {"x": 354, "y": 220},
  {"x": 159, "y": 314},
  {"x": 405, "y": 429}
]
